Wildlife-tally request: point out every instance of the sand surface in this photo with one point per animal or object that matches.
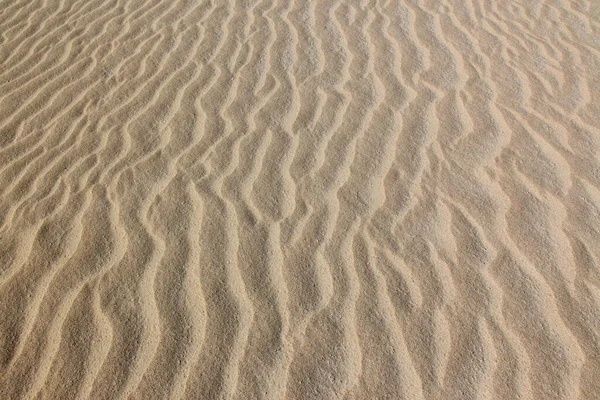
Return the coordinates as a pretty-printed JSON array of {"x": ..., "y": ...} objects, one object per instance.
[{"x": 293, "y": 199}]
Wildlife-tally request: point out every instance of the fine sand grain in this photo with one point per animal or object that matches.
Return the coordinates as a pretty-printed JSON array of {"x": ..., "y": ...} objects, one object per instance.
[{"x": 294, "y": 199}]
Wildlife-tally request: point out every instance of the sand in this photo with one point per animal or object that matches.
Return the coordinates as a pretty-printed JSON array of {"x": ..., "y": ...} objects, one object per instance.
[{"x": 293, "y": 199}]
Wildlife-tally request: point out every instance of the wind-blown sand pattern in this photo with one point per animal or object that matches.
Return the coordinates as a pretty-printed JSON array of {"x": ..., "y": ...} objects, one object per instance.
[{"x": 287, "y": 199}]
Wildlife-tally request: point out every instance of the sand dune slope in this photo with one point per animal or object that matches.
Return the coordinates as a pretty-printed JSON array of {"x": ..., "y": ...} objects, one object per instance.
[{"x": 287, "y": 199}]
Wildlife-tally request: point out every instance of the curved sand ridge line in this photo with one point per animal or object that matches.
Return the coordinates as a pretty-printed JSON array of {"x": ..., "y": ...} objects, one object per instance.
[{"x": 379, "y": 199}]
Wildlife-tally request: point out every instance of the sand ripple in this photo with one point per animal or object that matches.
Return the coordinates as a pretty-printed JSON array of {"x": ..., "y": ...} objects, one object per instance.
[{"x": 377, "y": 199}]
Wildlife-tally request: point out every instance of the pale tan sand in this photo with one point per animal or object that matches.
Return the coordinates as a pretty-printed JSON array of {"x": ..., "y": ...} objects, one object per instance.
[{"x": 293, "y": 199}]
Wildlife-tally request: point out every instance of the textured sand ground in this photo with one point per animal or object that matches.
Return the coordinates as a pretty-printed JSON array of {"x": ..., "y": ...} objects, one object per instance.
[{"x": 293, "y": 199}]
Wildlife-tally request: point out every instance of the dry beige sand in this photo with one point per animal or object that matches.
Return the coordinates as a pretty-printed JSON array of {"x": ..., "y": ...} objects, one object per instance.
[{"x": 294, "y": 199}]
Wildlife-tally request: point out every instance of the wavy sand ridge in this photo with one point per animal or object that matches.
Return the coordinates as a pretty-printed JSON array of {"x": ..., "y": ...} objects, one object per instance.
[{"x": 306, "y": 200}]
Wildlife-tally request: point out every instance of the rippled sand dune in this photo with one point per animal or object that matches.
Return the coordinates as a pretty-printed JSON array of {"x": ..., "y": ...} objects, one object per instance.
[{"x": 293, "y": 199}]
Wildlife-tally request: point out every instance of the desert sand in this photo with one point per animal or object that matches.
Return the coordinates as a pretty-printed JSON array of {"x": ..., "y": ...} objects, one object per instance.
[{"x": 293, "y": 199}]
